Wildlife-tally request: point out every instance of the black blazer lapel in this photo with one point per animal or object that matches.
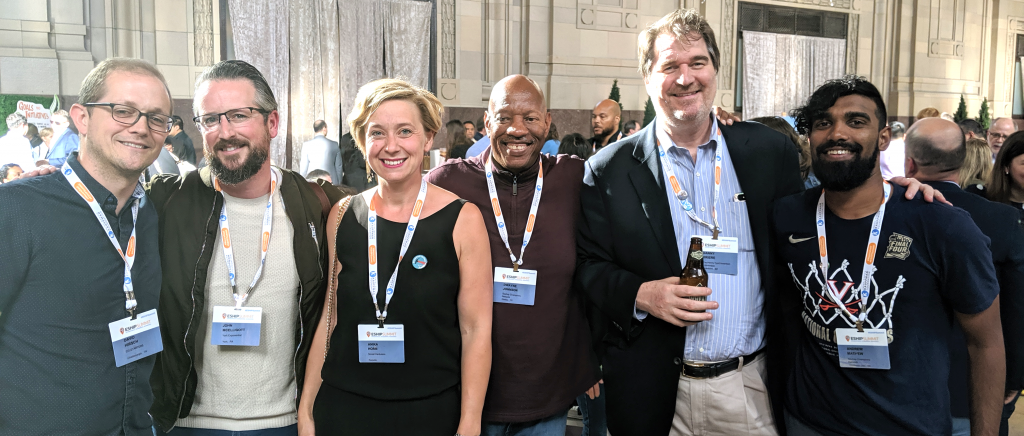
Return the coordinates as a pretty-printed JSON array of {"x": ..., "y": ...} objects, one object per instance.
[{"x": 649, "y": 184}]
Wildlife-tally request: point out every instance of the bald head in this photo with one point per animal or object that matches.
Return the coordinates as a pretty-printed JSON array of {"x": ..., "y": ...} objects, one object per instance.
[
  {"x": 604, "y": 119},
  {"x": 517, "y": 122},
  {"x": 935, "y": 150},
  {"x": 519, "y": 88}
]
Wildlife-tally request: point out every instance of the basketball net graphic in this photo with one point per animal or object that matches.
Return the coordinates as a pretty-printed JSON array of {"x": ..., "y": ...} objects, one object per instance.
[{"x": 818, "y": 305}]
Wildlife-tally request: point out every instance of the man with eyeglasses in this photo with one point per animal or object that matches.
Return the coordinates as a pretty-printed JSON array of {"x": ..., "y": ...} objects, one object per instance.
[
  {"x": 241, "y": 240},
  {"x": 78, "y": 322},
  {"x": 65, "y": 140},
  {"x": 1001, "y": 129}
]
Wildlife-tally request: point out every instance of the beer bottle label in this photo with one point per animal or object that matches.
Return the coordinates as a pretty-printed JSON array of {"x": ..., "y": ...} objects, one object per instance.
[{"x": 697, "y": 255}]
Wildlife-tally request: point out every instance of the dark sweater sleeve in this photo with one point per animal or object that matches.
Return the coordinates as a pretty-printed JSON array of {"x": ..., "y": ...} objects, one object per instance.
[{"x": 606, "y": 285}]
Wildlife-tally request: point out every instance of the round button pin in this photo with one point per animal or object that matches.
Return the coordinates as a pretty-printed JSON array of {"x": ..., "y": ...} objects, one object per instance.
[{"x": 419, "y": 262}]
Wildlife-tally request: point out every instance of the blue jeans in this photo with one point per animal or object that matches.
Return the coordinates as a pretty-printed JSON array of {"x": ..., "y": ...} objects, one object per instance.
[
  {"x": 291, "y": 430},
  {"x": 550, "y": 426},
  {"x": 595, "y": 421}
]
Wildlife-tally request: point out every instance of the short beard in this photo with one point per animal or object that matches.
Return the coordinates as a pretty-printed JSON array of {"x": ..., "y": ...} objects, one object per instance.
[
  {"x": 257, "y": 157},
  {"x": 843, "y": 176}
]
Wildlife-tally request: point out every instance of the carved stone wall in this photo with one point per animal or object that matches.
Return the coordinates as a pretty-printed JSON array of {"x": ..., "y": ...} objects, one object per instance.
[
  {"x": 851, "y": 44},
  {"x": 610, "y": 15},
  {"x": 202, "y": 18}
]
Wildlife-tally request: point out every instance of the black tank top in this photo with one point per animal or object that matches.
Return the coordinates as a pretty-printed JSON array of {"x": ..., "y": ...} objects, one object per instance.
[{"x": 425, "y": 302}]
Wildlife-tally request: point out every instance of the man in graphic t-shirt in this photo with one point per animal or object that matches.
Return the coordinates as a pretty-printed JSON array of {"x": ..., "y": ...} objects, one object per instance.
[{"x": 875, "y": 359}]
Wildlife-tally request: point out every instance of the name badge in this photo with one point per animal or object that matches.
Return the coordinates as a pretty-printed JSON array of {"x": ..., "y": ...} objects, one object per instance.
[
  {"x": 515, "y": 287},
  {"x": 381, "y": 345},
  {"x": 721, "y": 256},
  {"x": 865, "y": 350},
  {"x": 135, "y": 339},
  {"x": 236, "y": 326}
]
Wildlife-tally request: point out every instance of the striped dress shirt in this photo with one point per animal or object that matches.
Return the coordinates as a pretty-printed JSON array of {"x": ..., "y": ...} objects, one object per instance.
[{"x": 737, "y": 328}]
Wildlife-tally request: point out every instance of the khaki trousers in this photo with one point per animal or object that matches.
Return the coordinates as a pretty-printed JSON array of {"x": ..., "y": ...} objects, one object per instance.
[{"x": 731, "y": 404}]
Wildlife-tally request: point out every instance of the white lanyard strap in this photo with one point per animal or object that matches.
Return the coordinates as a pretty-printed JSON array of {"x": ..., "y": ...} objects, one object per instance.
[
  {"x": 371, "y": 242},
  {"x": 531, "y": 221},
  {"x": 681, "y": 194},
  {"x": 127, "y": 255},
  {"x": 225, "y": 232},
  {"x": 864, "y": 288}
]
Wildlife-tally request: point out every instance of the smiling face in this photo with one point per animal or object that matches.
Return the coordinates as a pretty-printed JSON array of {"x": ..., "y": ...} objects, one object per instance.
[
  {"x": 396, "y": 141},
  {"x": 845, "y": 143},
  {"x": 682, "y": 83},
  {"x": 235, "y": 152},
  {"x": 517, "y": 123},
  {"x": 114, "y": 147}
]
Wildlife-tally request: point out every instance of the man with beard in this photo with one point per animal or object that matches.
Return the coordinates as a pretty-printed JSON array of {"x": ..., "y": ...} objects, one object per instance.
[
  {"x": 675, "y": 365},
  {"x": 79, "y": 298},
  {"x": 864, "y": 360},
  {"x": 265, "y": 270},
  {"x": 605, "y": 121},
  {"x": 1001, "y": 129},
  {"x": 542, "y": 321}
]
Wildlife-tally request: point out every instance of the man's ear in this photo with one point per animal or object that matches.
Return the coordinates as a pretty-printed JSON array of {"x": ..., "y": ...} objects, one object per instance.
[
  {"x": 80, "y": 116},
  {"x": 884, "y": 136},
  {"x": 910, "y": 167}
]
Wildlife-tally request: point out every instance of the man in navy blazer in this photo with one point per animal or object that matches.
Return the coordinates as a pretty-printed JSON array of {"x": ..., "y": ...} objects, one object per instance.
[{"x": 935, "y": 151}]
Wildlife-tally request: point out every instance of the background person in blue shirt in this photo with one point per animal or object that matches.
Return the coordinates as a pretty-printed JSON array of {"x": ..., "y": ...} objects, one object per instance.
[{"x": 65, "y": 140}]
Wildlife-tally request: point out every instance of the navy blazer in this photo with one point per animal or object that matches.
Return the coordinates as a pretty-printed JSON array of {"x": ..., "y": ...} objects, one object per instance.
[
  {"x": 625, "y": 238},
  {"x": 1001, "y": 223}
]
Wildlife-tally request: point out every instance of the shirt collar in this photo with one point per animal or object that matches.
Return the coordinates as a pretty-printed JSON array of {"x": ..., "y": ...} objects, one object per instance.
[
  {"x": 107, "y": 200},
  {"x": 662, "y": 136}
]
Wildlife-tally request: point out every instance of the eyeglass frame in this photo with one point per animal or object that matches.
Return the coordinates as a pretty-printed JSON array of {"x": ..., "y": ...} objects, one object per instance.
[
  {"x": 138, "y": 116},
  {"x": 196, "y": 119}
]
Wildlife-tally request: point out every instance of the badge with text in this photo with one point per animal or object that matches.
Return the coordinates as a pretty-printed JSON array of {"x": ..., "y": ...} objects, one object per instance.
[
  {"x": 135, "y": 339},
  {"x": 515, "y": 287},
  {"x": 866, "y": 350},
  {"x": 236, "y": 326},
  {"x": 381, "y": 345},
  {"x": 721, "y": 256}
]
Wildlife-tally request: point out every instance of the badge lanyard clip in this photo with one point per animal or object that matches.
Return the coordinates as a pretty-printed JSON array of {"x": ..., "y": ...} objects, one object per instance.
[
  {"x": 864, "y": 288},
  {"x": 371, "y": 239},
  {"x": 225, "y": 230},
  {"x": 681, "y": 194},
  {"x": 531, "y": 221},
  {"x": 130, "y": 303}
]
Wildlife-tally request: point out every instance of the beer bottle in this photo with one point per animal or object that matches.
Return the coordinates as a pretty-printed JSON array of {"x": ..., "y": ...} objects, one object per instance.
[{"x": 694, "y": 273}]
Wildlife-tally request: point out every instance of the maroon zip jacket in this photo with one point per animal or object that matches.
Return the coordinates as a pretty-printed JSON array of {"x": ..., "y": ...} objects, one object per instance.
[{"x": 542, "y": 354}]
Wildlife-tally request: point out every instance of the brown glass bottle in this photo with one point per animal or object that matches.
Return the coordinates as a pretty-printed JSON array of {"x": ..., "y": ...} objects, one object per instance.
[{"x": 694, "y": 273}]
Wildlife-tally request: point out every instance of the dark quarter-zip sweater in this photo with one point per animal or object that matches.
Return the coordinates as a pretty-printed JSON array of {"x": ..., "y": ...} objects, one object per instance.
[{"x": 542, "y": 354}]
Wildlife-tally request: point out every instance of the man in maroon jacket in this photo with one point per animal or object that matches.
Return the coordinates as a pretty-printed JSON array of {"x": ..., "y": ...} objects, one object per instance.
[{"x": 543, "y": 357}]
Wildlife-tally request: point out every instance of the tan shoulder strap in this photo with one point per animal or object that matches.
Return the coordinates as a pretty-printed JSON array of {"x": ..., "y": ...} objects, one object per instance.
[{"x": 335, "y": 266}]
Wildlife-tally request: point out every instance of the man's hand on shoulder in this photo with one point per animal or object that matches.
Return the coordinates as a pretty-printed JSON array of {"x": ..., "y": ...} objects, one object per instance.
[
  {"x": 667, "y": 300},
  {"x": 40, "y": 171},
  {"x": 913, "y": 185}
]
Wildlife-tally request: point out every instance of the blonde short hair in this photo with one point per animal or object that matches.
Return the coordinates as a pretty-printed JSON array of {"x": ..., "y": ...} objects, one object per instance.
[
  {"x": 373, "y": 94},
  {"x": 978, "y": 162},
  {"x": 683, "y": 23}
]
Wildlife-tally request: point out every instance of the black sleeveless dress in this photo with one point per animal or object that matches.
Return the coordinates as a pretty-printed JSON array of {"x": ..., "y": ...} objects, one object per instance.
[{"x": 421, "y": 396}]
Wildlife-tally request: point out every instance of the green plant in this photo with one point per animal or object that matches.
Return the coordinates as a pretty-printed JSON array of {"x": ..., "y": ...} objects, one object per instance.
[
  {"x": 614, "y": 96},
  {"x": 983, "y": 115},
  {"x": 9, "y": 105},
  {"x": 961, "y": 110},
  {"x": 648, "y": 112}
]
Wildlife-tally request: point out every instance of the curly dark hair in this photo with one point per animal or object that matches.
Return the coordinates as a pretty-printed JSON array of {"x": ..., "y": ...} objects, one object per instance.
[{"x": 826, "y": 95}]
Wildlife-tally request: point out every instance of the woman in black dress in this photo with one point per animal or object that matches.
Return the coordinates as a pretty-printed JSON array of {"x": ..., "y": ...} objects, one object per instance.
[{"x": 404, "y": 344}]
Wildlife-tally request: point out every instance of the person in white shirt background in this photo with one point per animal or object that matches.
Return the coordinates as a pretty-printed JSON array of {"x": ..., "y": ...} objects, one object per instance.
[
  {"x": 15, "y": 148},
  {"x": 892, "y": 158}
]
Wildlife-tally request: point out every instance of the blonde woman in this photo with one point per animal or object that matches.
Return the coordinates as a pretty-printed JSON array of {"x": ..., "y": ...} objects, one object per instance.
[
  {"x": 410, "y": 329},
  {"x": 977, "y": 165}
]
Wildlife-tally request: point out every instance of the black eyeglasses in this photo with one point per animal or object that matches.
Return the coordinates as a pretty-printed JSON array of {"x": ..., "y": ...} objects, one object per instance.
[
  {"x": 128, "y": 116},
  {"x": 211, "y": 122}
]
